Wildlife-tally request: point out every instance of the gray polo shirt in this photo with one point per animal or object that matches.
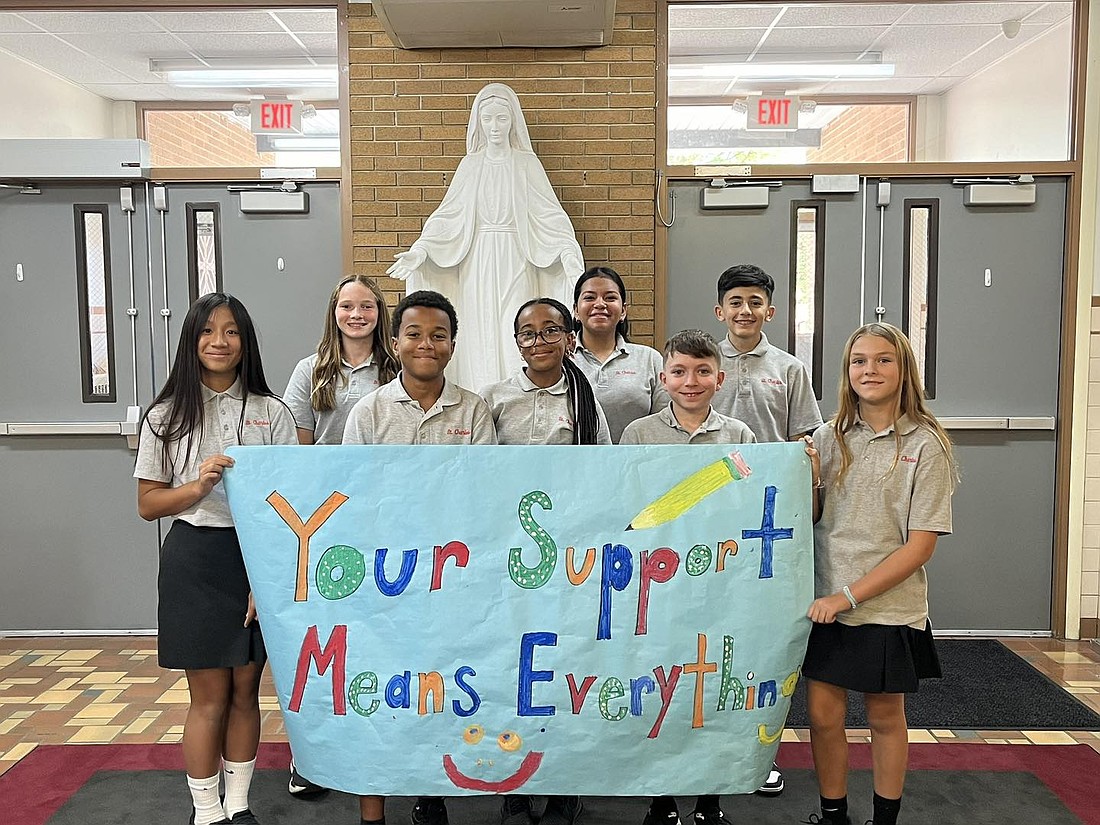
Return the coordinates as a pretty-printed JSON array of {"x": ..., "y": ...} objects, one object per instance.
[
  {"x": 888, "y": 491},
  {"x": 390, "y": 416},
  {"x": 266, "y": 421},
  {"x": 663, "y": 428},
  {"x": 527, "y": 414},
  {"x": 769, "y": 390},
  {"x": 328, "y": 426},
  {"x": 627, "y": 384}
]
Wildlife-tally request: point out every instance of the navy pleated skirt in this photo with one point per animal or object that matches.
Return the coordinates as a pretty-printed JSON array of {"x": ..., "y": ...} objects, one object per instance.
[
  {"x": 871, "y": 658},
  {"x": 203, "y": 596}
]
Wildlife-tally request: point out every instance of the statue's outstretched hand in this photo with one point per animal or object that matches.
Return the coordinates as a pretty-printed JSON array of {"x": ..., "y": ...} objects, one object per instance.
[
  {"x": 571, "y": 263},
  {"x": 407, "y": 263}
]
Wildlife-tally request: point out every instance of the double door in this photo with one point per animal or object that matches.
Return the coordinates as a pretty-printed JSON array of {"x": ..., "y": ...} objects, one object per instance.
[
  {"x": 95, "y": 279},
  {"x": 979, "y": 291}
]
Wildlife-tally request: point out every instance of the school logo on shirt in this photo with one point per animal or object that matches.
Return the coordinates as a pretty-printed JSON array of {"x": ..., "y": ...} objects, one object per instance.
[
  {"x": 626, "y": 372},
  {"x": 908, "y": 459},
  {"x": 775, "y": 382},
  {"x": 459, "y": 431},
  {"x": 257, "y": 422},
  {"x": 568, "y": 422}
]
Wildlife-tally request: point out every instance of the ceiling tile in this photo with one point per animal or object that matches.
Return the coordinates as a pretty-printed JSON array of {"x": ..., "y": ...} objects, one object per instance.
[
  {"x": 92, "y": 21},
  {"x": 947, "y": 14},
  {"x": 216, "y": 21},
  {"x": 841, "y": 15},
  {"x": 15, "y": 23},
  {"x": 711, "y": 17},
  {"x": 846, "y": 39},
  {"x": 129, "y": 52},
  {"x": 929, "y": 51},
  {"x": 699, "y": 41},
  {"x": 320, "y": 45},
  {"x": 130, "y": 91},
  {"x": 320, "y": 21},
  {"x": 48, "y": 52},
  {"x": 235, "y": 44}
]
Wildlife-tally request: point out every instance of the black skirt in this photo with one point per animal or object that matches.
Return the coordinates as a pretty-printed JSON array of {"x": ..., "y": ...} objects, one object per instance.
[
  {"x": 871, "y": 658},
  {"x": 203, "y": 596}
]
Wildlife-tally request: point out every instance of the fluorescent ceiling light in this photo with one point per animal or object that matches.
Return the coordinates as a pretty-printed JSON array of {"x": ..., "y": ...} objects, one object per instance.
[
  {"x": 780, "y": 71},
  {"x": 238, "y": 75}
]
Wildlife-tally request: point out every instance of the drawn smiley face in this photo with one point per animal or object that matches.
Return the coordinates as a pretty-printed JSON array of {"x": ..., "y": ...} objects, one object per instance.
[{"x": 509, "y": 742}]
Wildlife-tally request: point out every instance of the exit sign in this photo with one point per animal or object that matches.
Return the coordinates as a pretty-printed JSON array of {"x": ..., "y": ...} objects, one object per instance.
[
  {"x": 776, "y": 113},
  {"x": 276, "y": 117}
]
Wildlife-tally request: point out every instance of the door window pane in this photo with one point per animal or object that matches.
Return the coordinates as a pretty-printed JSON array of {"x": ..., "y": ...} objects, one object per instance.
[
  {"x": 807, "y": 285},
  {"x": 203, "y": 249},
  {"x": 919, "y": 285},
  {"x": 94, "y": 291}
]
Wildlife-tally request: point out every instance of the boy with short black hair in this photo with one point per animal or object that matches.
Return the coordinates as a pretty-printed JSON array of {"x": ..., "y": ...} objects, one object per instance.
[
  {"x": 419, "y": 406},
  {"x": 767, "y": 388},
  {"x": 691, "y": 376}
]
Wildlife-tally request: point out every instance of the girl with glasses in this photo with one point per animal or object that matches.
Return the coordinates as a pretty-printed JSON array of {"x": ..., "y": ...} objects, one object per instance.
[{"x": 549, "y": 401}]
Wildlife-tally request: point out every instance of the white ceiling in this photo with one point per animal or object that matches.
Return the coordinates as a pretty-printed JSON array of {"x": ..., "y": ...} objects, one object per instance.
[
  {"x": 933, "y": 46},
  {"x": 108, "y": 53}
]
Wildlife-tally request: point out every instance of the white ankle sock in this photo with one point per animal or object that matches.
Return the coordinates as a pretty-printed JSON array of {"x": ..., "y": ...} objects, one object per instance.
[
  {"x": 238, "y": 778},
  {"x": 204, "y": 796}
]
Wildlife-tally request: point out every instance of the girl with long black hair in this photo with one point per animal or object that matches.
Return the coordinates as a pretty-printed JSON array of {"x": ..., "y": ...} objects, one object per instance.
[{"x": 216, "y": 396}]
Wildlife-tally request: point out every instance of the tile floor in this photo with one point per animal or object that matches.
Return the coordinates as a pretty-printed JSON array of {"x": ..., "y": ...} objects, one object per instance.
[{"x": 95, "y": 690}]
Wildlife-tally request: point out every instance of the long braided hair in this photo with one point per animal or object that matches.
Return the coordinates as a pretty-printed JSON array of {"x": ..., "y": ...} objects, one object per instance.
[{"x": 582, "y": 402}]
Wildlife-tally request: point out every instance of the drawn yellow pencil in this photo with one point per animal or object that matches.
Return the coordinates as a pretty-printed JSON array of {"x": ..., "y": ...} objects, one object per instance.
[{"x": 693, "y": 489}]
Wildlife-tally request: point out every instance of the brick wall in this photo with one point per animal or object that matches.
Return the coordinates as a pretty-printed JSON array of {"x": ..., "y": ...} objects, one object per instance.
[
  {"x": 865, "y": 134},
  {"x": 187, "y": 138},
  {"x": 590, "y": 113}
]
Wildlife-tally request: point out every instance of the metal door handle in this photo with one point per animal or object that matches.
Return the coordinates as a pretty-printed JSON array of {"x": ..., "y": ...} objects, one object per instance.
[{"x": 128, "y": 428}]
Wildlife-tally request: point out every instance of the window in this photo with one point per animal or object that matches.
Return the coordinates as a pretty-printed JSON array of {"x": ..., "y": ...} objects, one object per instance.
[
  {"x": 807, "y": 286},
  {"x": 93, "y": 268},
  {"x": 869, "y": 82},
  {"x": 919, "y": 273},
  {"x": 203, "y": 249},
  {"x": 216, "y": 137}
]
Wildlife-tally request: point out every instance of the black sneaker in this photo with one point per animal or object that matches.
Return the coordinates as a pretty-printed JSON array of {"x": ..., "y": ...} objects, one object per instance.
[
  {"x": 662, "y": 811},
  {"x": 245, "y": 817},
  {"x": 191, "y": 821},
  {"x": 302, "y": 788},
  {"x": 773, "y": 785},
  {"x": 562, "y": 810},
  {"x": 814, "y": 819},
  {"x": 709, "y": 818},
  {"x": 429, "y": 810},
  {"x": 515, "y": 809}
]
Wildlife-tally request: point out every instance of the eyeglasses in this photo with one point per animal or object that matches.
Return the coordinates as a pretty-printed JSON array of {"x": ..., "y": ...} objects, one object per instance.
[{"x": 550, "y": 335}]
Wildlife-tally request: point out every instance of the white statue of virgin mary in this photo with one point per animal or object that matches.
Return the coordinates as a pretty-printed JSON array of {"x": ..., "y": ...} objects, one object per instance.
[{"x": 499, "y": 238}]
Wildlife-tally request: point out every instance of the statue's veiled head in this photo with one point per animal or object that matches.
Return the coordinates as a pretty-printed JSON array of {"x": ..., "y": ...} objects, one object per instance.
[{"x": 496, "y": 117}]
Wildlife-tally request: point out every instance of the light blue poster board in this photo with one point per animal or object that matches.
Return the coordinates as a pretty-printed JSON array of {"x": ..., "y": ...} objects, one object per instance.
[{"x": 556, "y": 620}]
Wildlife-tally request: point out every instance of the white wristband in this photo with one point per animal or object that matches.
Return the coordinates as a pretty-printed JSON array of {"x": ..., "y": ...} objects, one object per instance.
[{"x": 848, "y": 595}]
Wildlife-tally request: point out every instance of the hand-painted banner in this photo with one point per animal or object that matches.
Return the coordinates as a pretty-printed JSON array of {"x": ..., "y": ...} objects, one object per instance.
[{"x": 581, "y": 620}]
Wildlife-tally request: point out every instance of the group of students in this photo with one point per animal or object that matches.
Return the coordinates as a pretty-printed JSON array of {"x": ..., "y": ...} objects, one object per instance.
[{"x": 883, "y": 475}]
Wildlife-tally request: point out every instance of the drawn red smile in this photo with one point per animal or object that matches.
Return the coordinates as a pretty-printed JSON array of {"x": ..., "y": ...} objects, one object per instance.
[{"x": 526, "y": 770}]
